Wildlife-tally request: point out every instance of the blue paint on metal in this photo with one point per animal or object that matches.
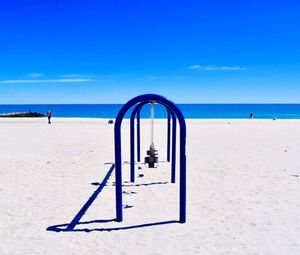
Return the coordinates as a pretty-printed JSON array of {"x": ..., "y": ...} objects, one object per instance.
[
  {"x": 138, "y": 135},
  {"x": 138, "y": 118},
  {"x": 132, "y": 117},
  {"x": 173, "y": 163},
  {"x": 118, "y": 158},
  {"x": 168, "y": 135},
  {"x": 136, "y": 111}
]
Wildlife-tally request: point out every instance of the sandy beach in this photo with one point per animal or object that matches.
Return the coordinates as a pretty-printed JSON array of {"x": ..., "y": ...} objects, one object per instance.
[{"x": 243, "y": 186}]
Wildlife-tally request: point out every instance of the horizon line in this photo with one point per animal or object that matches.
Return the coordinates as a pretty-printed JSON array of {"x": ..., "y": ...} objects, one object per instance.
[{"x": 125, "y": 102}]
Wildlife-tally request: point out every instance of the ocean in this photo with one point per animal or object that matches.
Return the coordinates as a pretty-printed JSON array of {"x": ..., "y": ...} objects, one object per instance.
[{"x": 190, "y": 111}]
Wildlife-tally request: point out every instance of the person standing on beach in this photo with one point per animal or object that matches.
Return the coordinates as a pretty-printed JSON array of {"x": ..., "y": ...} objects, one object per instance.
[
  {"x": 251, "y": 115},
  {"x": 49, "y": 115}
]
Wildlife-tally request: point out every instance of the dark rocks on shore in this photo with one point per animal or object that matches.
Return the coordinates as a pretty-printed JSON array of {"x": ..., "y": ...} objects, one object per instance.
[{"x": 22, "y": 115}]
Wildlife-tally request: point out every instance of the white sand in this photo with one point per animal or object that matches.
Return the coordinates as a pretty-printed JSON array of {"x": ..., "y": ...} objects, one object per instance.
[{"x": 243, "y": 189}]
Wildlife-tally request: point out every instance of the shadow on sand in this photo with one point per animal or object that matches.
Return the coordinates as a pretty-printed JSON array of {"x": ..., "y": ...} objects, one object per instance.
[
  {"x": 59, "y": 228},
  {"x": 141, "y": 184},
  {"x": 86, "y": 206},
  {"x": 71, "y": 226}
]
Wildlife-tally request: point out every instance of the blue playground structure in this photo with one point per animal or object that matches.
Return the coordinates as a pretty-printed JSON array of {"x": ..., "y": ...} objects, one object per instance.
[
  {"x": 152, "y": 158},
  {"x": 136, "y": 113}
]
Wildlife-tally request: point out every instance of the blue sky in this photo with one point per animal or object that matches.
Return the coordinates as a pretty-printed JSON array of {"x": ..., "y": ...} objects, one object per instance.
[{"x": 110, "y": 51}]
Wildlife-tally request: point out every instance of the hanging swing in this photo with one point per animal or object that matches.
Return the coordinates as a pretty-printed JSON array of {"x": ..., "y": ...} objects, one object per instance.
[{"x": 152, "y": 158}]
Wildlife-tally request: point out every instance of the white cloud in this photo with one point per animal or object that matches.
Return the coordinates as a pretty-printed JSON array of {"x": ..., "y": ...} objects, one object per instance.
[
  {"x": 46, "y": 81},
  {"x": 155, "y": 77},
  {"x": 35, "y": 75},
  {"x": 217, "y": 68},
  {"x": 70, "y": 76},
  {"x": 158, "y": 77}
]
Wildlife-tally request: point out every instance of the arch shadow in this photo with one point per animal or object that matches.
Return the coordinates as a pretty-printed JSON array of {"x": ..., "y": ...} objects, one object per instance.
[{"x": 64, "y": 227}]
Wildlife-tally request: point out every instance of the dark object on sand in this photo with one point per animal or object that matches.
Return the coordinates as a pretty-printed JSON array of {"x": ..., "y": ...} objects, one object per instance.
[
  {"x": 110, "y": 122},
  {"x": 22, "y": 115},
  {"x": 152, "y": 158}
]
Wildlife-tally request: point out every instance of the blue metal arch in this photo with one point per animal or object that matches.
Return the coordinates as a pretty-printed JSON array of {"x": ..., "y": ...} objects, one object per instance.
[
  {"x": 136, "y": 111},
  {"x": 118, "y": 157},
  {"x": 137, "y": 108},
  {"x": 138, "y": 145},
  {"x": 168, "y": 135}
]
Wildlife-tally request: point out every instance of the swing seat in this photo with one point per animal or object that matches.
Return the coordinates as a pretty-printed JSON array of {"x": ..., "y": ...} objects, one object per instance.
[{"x": 152, "y": 159}]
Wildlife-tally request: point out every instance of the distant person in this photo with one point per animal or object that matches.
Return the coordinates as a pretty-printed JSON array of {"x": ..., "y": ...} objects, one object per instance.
[
  {"x": 251, "y": 115},
  {"x": 49, "y": 115}
]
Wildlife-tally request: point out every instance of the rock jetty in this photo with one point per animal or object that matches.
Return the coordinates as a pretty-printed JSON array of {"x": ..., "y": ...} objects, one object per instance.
[{"x": 22, "y": 115}]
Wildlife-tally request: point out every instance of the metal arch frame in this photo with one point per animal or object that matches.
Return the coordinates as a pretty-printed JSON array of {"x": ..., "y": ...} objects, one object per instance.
[
  {"x": 132, "y": 117},
  {"x": 168, "y": 136},
  {"x": 136, "y": 112},
  {"x": 138, "y": 144},
  {"x": 118, "y": 156}
]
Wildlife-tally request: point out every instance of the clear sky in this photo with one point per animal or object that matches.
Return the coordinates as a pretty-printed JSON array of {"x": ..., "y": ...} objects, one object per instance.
[{"x": 200, "y": 51}]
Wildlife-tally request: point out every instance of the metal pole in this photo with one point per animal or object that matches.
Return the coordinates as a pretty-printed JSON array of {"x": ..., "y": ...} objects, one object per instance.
[
  {"x": 138, "y": 134},
  {"x": 168, "y": 135},
  {"x": 132, "y": 149},
  {"x": 173, "y": 163},
  {"x": 118, "y": 174},
  {"x": 152, "y": 124},
  {"x": 132, "y": 152},
  {"x": 182, "y": 185}
]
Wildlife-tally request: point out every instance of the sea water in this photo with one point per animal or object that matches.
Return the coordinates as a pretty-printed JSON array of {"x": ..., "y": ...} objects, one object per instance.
[{"x": 190, "y": 111}]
